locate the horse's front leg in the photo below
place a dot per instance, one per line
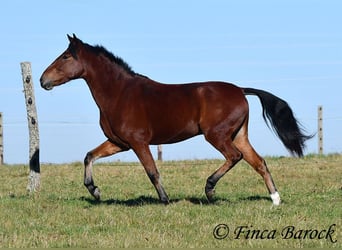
(105, 149)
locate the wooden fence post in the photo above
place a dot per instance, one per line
(160, 153)
(320, 130)
(34, 175)
(1, 142)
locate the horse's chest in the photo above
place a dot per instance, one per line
(110, 129)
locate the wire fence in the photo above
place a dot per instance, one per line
(81, 134)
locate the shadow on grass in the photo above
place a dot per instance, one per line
(142, 200)
(148, 200)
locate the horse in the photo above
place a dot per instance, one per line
(136, 111)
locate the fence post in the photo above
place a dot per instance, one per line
(34, 175)
(160, 153)
(320, 129)
(1, 142)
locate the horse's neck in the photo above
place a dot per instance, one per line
(105, 81)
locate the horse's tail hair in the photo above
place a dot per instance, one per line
(278, 114)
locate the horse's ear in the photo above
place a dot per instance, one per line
(73, 46)
(70, 38)
(73, 37)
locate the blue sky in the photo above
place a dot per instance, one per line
(290, 48)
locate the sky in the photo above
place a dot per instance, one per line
(290, 48)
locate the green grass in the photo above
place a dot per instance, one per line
(63, 214)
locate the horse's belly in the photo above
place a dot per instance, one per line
(172, 135)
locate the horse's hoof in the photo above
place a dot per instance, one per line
(210, 194)
(97, 193)
(165, 200)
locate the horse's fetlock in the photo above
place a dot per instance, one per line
(210, 184)
(88, 181)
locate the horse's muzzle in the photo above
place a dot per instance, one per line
(47, 85)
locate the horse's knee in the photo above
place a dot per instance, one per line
(88, 179)
(88, 159)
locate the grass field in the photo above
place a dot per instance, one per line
(63, 214)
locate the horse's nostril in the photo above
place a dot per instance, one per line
(46, 85)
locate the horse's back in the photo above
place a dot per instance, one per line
(196, 100)
(193, 97)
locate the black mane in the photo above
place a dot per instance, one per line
(98, 49)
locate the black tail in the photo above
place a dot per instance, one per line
(282, 120)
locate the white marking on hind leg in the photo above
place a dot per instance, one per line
(275, 198)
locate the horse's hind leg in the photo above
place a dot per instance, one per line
(257, 162)
(232, 155)
(105, 149)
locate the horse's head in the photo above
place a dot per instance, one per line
(65, 68)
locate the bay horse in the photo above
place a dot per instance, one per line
(136, 112)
